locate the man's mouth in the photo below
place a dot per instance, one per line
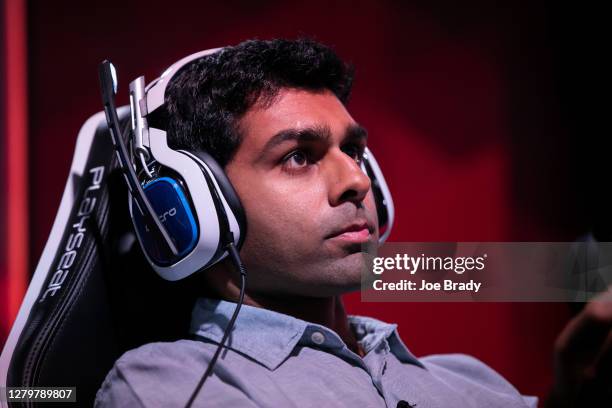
(357, 232)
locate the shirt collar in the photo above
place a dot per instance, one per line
(370, 332)
(269, 337)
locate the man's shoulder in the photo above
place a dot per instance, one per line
(455, 365)
(163, 374)
(460, 363)
(159, 352)
(459, 369)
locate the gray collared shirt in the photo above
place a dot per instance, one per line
(275, 360)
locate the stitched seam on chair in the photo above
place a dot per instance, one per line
(73, 294)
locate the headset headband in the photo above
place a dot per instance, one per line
(145, 100)
(156, 91)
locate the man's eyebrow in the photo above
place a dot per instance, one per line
(355, 132)
(308, 134)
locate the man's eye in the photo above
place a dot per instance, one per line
(295, 159)
(355, 152)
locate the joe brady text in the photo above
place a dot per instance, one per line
(424, 285)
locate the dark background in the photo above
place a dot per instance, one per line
(481, 114)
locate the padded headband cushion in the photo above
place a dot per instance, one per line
(226, 189)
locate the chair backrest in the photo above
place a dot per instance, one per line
(92, 296)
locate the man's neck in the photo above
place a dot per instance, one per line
(327, 311)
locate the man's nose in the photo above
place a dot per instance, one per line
(347, 182)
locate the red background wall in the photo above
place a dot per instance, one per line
(469, 109)
(3, 185)
(14, 204)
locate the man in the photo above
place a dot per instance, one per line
(273, 113)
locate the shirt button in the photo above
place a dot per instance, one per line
(317, 338)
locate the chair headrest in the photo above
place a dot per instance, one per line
(93, 296)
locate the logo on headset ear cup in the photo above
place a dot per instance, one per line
(174, 211)
(226, 189)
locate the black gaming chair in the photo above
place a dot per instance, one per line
(93, 296)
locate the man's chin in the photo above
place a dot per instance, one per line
(346, 248)
(343, 275)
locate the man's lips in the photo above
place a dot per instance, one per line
(355, 232)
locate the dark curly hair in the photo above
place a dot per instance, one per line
(205, 100)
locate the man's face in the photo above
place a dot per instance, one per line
(310, 211)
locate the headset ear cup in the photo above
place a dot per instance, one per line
(382, 194)
(228, 191)
(170, 202)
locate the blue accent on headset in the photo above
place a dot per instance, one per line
(174, 212)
